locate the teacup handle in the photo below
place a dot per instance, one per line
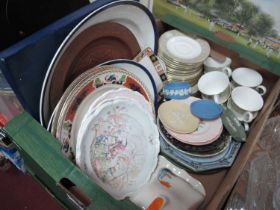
(216, 99)
(261, 89)
(246, 126)
(248, 117)
(227, 71)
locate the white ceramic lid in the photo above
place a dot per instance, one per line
(247, 99)
(247, 77)
(213, 83)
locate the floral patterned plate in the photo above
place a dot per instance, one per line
(100, 96)
(118, 146)
(142, 73)
(99, 77)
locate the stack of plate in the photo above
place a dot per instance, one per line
(206, 148)
(90, 88)
(103, 35)
(105, 122)
(183, 56)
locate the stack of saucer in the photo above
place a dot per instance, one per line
(192, 134)
(183, 56)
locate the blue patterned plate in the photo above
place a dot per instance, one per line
(201, 164)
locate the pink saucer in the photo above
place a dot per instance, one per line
(207, 132)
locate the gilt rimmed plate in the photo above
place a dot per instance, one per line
(99, 77)
(183, 48)
(142, 73)
(141, 24)
(118, 146)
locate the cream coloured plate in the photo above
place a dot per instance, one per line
(176, 116)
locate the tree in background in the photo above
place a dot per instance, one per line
(245, 13)
(226, 8)
(261, 25)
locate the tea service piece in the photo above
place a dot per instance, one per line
(215, 86)
(247, 77)
(176, 116)
(184, 48)
(210, 64)
(171, 187)
(183, 56)
(118, 146)
(246, 102)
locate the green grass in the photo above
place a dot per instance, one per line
(162, 6)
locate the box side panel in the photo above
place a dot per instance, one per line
(43, 157)
(247, 149)
(25, 63)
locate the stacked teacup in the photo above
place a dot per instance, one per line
(243, 94)
(247, 91)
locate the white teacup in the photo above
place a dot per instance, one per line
(215, 86)
(248, 78)
(245, 102)
(211, 64)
